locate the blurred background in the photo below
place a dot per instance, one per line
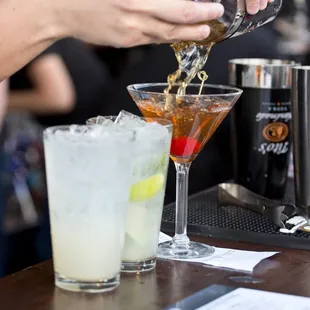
(71, 81)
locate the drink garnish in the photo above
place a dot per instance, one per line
(147, 188)
(202, 76)
(184, 146)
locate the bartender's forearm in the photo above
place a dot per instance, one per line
(28, 27)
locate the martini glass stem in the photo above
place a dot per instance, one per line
(180, 239)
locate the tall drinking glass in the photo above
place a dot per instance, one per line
(88, 177)
(150, 165)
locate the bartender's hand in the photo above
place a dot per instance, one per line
(125, 23)
(253, 6)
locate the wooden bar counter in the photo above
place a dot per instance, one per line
(33, 288)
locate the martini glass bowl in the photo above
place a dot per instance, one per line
(195, 117)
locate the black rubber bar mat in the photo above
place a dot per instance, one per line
(207, 218)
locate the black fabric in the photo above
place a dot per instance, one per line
(288, 8)
(89, 75)
(214, 163)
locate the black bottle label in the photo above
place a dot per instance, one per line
(262, 140)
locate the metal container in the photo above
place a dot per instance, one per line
(301, 136)
(261, 124)
(237, 21)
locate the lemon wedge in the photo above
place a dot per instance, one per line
(147, 188)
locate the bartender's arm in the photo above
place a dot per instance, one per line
(29, 27)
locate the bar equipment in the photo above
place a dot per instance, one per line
(261, 125)
(301, 136)
(231, 194)
(237, 21)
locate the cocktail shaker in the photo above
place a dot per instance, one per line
(261, 124)
(301, 137)
(237, 21)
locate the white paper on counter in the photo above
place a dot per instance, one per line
(248, 299)
(229, 258)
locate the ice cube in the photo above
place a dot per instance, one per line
(129, 120)
(96, 131)
(77, 129)
(152, 131)
(111, 131)
(101, 120)
(74, 132)
(152, 137)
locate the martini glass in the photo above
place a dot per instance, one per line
(195, 118)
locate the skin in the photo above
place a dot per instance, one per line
(52, 91)
(253, 6)
(29, 27)
(117, 23)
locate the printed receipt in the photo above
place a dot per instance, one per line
(247, 299)
(229, 258)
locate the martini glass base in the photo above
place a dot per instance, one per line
(195, 250)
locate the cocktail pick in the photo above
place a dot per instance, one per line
(202, 76)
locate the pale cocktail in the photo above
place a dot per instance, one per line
(150, 164)
(89, 175)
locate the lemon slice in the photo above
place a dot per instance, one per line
(147, 188)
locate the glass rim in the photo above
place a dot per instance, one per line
(235, 91)
(52, 129)
(264, 62)
(167, 122)
(301, 67)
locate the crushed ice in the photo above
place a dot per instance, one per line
(100, 120)
(104, 126)
(129, 120)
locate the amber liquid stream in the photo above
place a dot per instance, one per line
(194, 123)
